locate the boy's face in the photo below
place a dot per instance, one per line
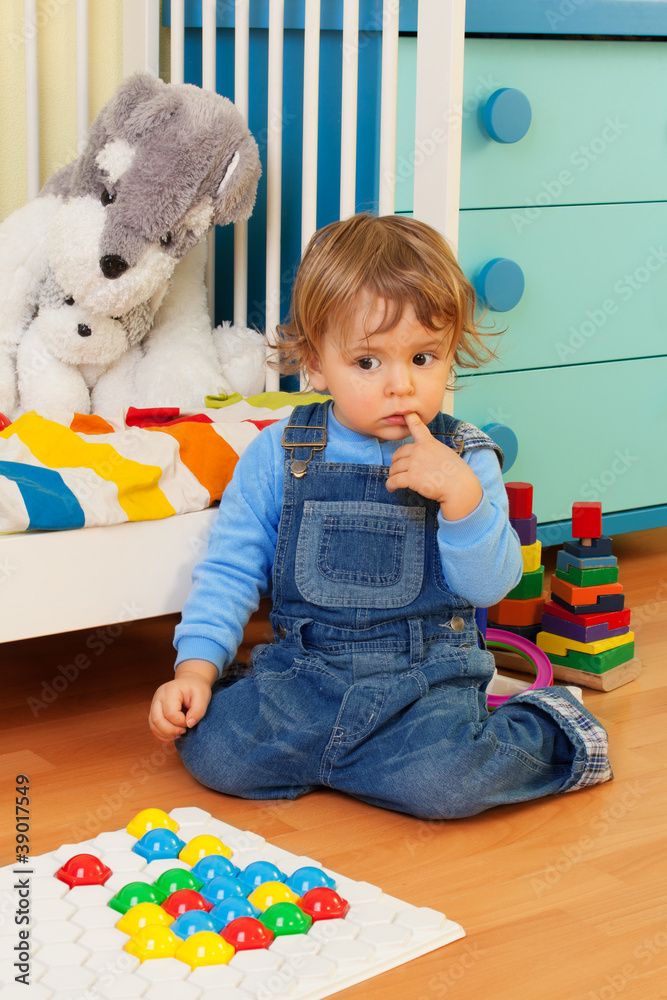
(375, 380)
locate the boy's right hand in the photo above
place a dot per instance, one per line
(180, 704)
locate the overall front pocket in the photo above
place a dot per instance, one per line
(360, 554)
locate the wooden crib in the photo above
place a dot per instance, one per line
(75, 579)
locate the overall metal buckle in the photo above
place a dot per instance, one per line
(299, 466)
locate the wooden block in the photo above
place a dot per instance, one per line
(530, 585)
(614, 619)
(532, 557)
(565, 559)
(509, 612)
(561, 646)
(520, 497)
(574, 595)
(526, 528)
(588, 577)
(598, 547)
(581, 633)
(608, 681)
(604, 603)
(586, 519)
(525, 631)
(598, 663)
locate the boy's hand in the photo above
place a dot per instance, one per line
(180, 704)
(434, 471)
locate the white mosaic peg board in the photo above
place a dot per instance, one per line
(77, 952)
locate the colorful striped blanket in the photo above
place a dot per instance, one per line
(66, 470)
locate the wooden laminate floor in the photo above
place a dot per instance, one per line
(562, 899)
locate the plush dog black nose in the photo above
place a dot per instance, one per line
(83, 330)
(113, 266)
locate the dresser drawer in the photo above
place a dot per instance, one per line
(593, 432)
(598, 131)
(595, 281)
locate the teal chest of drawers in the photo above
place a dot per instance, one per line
(569, 188)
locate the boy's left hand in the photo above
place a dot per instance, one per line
(434, 471)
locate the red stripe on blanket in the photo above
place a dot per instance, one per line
(260, 424)
(161, 416)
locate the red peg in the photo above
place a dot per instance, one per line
(586, 519)
(183, 900)
(520, 496)
(246, 933)
(322, 903)
(83, 869)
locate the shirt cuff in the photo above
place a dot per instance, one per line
(197, 648)
(469, 529)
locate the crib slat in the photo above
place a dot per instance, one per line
(82, 94)
(348, 136)
(437, 175)
(311, 76)
(208, 59)
(241, 100)
(141, 36)
(388, 107)
(274, 178)
(208, 55)
(31, 96)
(177, 41)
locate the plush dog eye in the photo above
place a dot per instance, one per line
(69, 301)
(106, 197)
(166, 239)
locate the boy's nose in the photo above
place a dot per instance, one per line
(399, 383)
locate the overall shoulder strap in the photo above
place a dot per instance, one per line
(461, 436)
(305, 436)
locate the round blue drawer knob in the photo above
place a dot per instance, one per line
(500, 284)
(507, 115)
(506, 439)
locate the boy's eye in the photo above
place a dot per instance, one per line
(421, 360)
(367, 364)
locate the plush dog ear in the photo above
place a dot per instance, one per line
(141, 104)
(235, 190)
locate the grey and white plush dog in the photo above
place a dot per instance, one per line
(163, 163)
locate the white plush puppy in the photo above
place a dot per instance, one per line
(66, 350)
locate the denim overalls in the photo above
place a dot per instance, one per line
(375, 684)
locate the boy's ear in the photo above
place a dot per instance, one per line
(315, 374)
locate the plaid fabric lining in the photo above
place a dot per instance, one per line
(593, 736)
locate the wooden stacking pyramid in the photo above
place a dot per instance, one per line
(585, 625)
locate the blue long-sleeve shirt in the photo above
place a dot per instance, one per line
(480, 553)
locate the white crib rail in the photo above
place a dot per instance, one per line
(274, 152)
(348, 116)
(311, 95)
(241, 100)
(82, 100)
(31, 96)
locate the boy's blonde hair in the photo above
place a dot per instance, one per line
(394, 258)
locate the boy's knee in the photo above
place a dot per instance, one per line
(442, 807)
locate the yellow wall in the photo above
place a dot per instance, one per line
(57, 85)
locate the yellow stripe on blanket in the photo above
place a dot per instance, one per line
(58, 447)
